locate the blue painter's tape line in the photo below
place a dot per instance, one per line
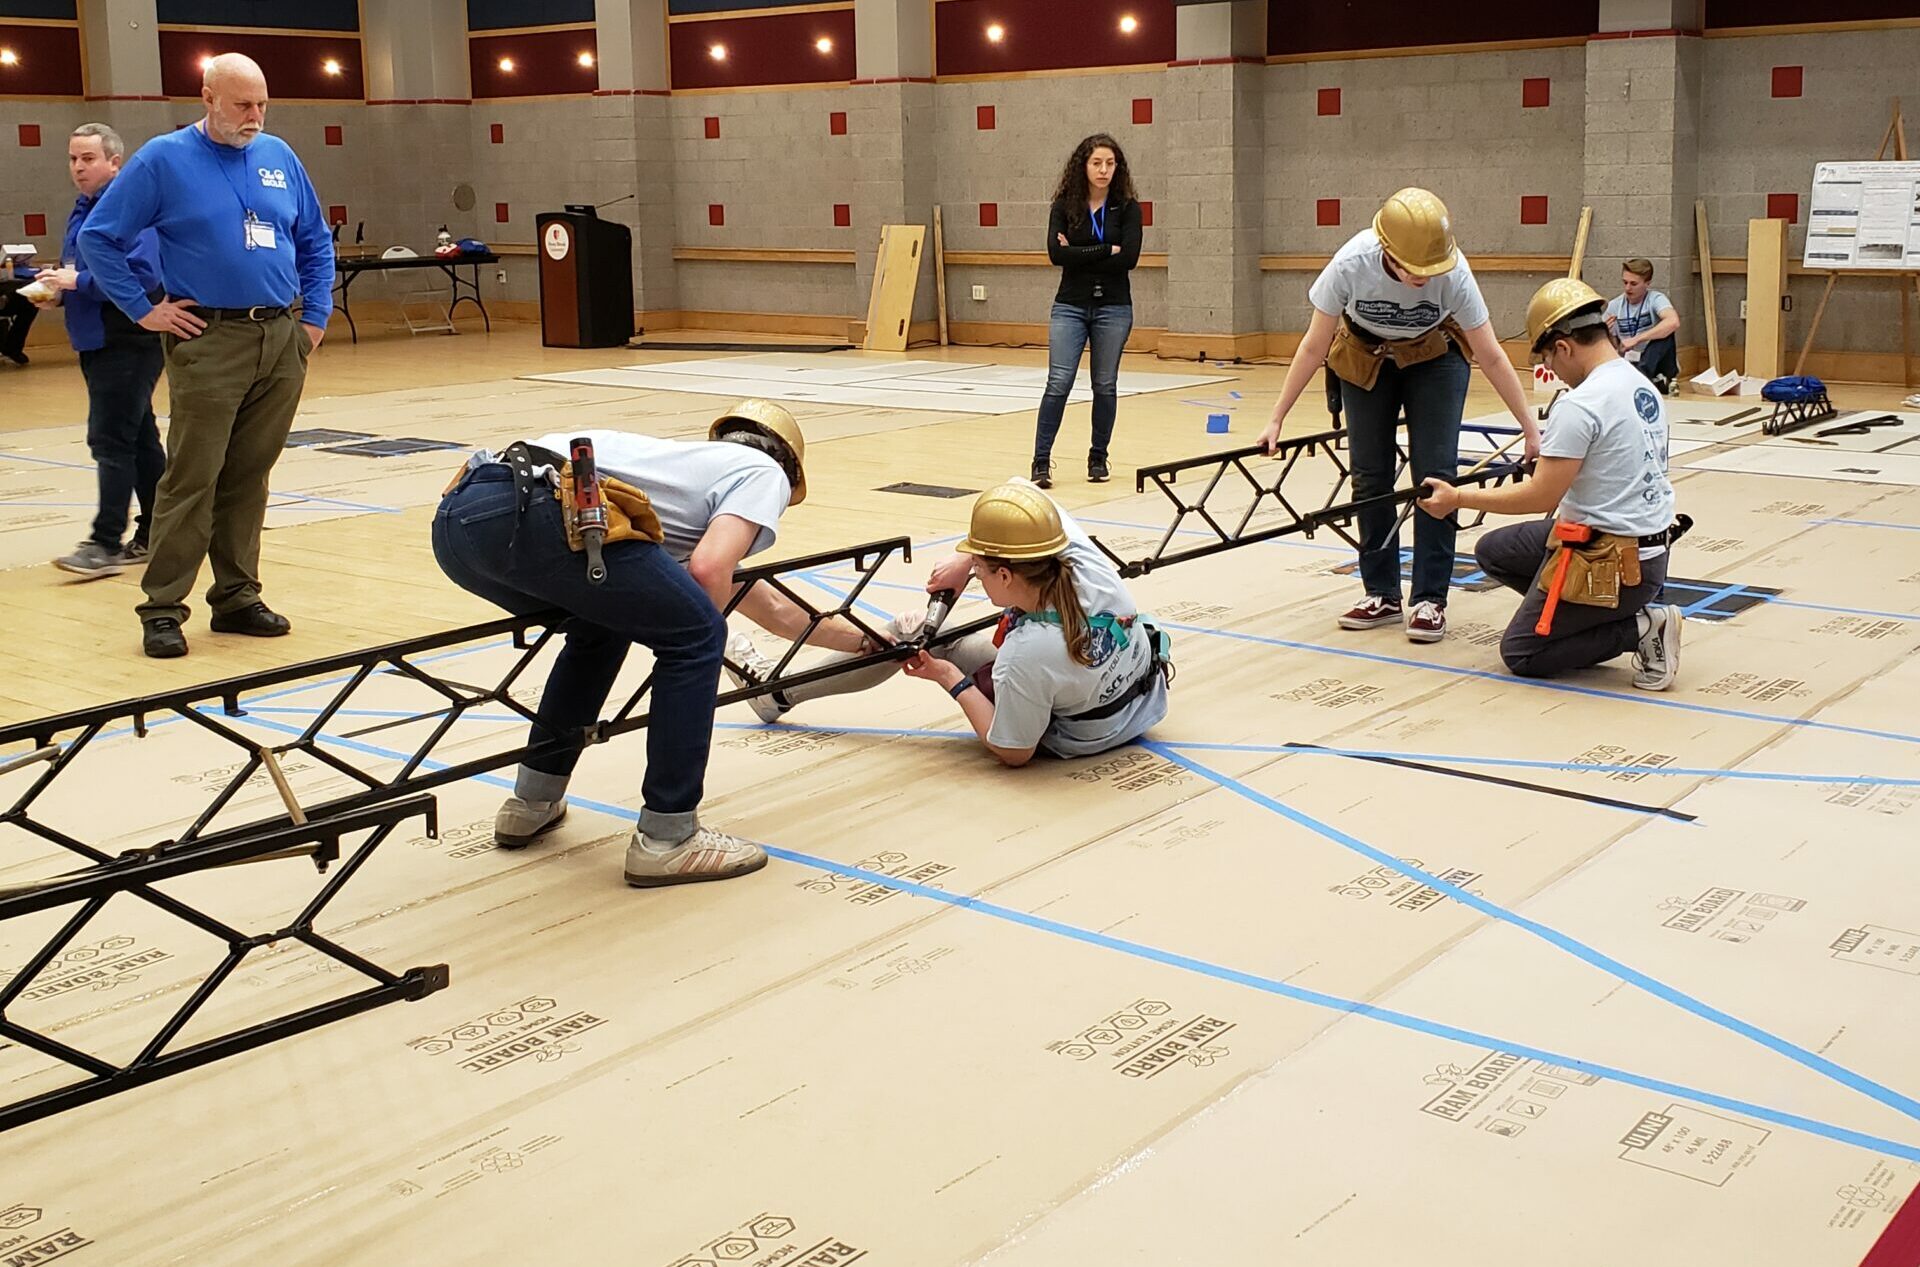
(1867, 523)
(1845, 611)
(1539, 684)
(1554, 937)
(1269, 985)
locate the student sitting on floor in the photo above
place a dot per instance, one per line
(1645, 321)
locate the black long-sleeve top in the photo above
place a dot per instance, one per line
(1088, 264)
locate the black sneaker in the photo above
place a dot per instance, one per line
(161, 638)
(257, 621)
(1043, 472)
(134, 552)
(1097, 472)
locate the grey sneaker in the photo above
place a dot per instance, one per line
(754, 669)
(90, 561)
(521, 822)
(1656, 661)
(705, 855)
(134, 553)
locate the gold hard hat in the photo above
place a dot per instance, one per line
(1414, 228)
(1562, 305)
(769, 419)
(1014, 521)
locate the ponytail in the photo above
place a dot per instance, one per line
(1053, 577)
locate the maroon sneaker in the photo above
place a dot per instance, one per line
(1371, 613)
(1428, 623)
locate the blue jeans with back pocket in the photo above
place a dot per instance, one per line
(521, 562)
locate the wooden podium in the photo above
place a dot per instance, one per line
(586, 280)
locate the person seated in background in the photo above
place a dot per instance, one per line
(16, 311)
(1645, 321)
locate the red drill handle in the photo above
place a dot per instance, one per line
(589, 508)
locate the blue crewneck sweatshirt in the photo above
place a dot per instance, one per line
(196, 194)
(86, 303)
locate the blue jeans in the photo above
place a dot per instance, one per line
(647, 598)
(121, 433)
(1106, 327)
(1433, 394)
(1660, 357)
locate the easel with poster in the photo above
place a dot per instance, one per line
(1864, 220)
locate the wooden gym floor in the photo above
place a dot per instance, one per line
(1372, 952)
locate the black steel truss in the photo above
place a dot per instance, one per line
(1337, 512)
(386, 793)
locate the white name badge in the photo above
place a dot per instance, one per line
(260, 234)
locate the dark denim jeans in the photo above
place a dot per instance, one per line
(647, 598)
(1660, 358)
(1433, 394)
(121, 433)
(1106, 327)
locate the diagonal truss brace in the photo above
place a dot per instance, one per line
(1337, 512)
(384, 794)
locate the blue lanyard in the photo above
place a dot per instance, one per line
(1100, 223)
(219, 160)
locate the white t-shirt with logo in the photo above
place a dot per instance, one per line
(1631, 319)
(1616, 424)
(1355, 282)
(690, 482)
(1038, 685)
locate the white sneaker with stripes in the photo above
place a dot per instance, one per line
(705, 855)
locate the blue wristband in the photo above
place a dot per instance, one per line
(965, 685)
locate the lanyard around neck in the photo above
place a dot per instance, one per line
(219, 159)
(1099, 219)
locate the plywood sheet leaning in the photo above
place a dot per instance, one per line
(896, 279)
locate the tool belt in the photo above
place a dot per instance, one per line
(630, 512)
(1356, 355)
(1589, 567)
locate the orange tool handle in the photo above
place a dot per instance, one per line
(1544, 625)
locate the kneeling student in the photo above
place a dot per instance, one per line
(1603, 465)
(1074, 667)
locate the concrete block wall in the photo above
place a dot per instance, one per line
(1753, 144)
(1454, 123)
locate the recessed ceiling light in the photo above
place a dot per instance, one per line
(506, 64)
(1129, 24)
(206, 64)
(824, 44)
(330, 66)
(996, 33)
(8, 57)
(585, 59)
(718, 52)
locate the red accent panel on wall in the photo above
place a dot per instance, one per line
(336, 135)
(1146, 215)
(29, 135)
(1143, 110)
(292, 62)
(1326, 212)
(1329, 101)
(1048, 35)
(544, 63)
(1293, 27)
(1725, 13)
(842, 215)
(777, 48)
(837, 123)
(716, 214)
(1533, 209)
(989, 215)
(983, 120)
(1788, 81)
(35, 224)
(336, 214)
(1784, 207)
(1536, 94)
(49, 64)
(713, 127)
(500, 215)
(497, 133)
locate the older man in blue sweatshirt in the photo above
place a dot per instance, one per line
(241, 237)
(120, 361)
